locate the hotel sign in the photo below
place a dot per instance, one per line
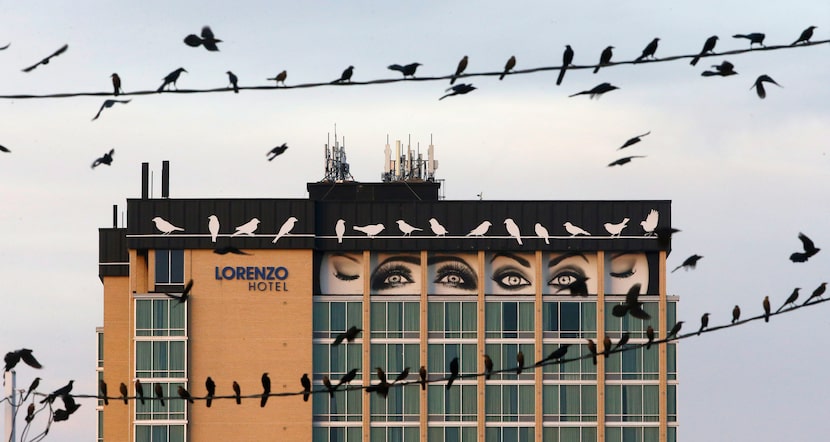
(261, 279)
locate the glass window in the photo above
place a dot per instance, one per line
(395, 434)
(569, 403)
(509, 434)
(510, 403)
(632, 434)
(160, 359)
(569, 319)
(504, 357)
(160, 317)
(571, 367)
(159, 433)
(456, 404)
(509, 319)
(451, 434)
(569, 434)
(337, 434)
(401, 403)
(169, 266)
(100, 348)
(636, 363)
(636, 328)
(452, 320)
(346, 405)
(173, 409)
(631, 403)
(396, 320)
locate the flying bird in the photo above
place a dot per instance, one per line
(766, 308)
(664, 235)
(708, 47)
(634, 140)
(597, 90)
(575, 230)
(185, 295)
(234, 81)
(674, 330)
(624, 160)
(116, 84)
(632, 305)
(108, 104)
(346, 76)
(567, 60)
(159, 393)
(349, 336)
(704, 322)
(210, 386)
(736, 314)
(104, 159)
(481, 230)
(213, 227)
(370, 230)
(32, 387)
(604, 58)
(280, 78)
(577, 286)
(184, 394)
(266, 389)
(229, 249)
(306, 383)
(520, 362)
(171, 79)
(208, 40)
(688, 263)
(453, 372)
(277, 151)
(649, 50)
(340, 229)
(50, 398)
(592, 347)
(816, 293)
(513, 229)
(458, 89)
(406, 228)
(4, 149)
(246, 229)
(102, 387)
(650, 223)
(407, 70)
(3, 48)
(437, 228)
(488, 367)
(754, 37)
(139, 391)
(511, 63)
(285, 229)
(805, 36)
(649, 336)
(724, 69)
(809, 249)
(46, 60)
(555, 355)
(616, 229)
(759, 85)
(13, 357)
(237, 392)
(462, 65)
(422, 375)
(542, 232)
(790, 299)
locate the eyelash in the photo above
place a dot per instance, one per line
(380, 278)
(464, 273)
(345, 277)
(576, 276)
(500, 275)
(623, 275)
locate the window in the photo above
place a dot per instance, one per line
(570, 368)
(569, 403)
(396, 320)
(671, 399)
(169, 266)
(632, 434)
(509, 319)
(633, 364)
(336, 434)
(173, 409)
(569, 319)
(159, 317)
(631, 403)
(331, 318)
(504, 354)
(569, 434)
(451, 434)
(509, 434)
(160, 359)
(510, 403)
(636, 328)
(456, 404)
(99, 332)
(395, 434)
(346, 405)
(452, 319)
(159, 433)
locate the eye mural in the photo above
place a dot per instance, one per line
(395, 274)
(341, 273)
(452, 274)
(509, 274)
(624, 269)
(569, 273)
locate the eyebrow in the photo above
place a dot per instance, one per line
(405, 258)
(444, 258)
(517, 258)
(565, 256)
(621, 254)
(343, 255)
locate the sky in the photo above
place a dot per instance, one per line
(744, 175)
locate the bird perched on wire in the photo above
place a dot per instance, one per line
(604, 58)
(650, 223)
(462, 65)
(348, 377)
(104, 159)
(736, 314)
(234, 81)
(266, 389)
(30, 413)
(633, 140)
(632, 305)
(511, 63)
(513, 229)
(208, 40)
(382, 387)
(555, 355)
(481, 229)
(349, 336)
(567, 60)
(759, 85)
(32, 387)
(277, 151)
(46, 60)
(688, 263)
(597, 90)
(437, 228)
(592, 347)
(790, 299)
(724, 69)
(371, 230)
(704, 322)
(346, 76)
(623, 340)
(458, 89)
(754, 37)
(171, 79)
(13, 357)
(306, 383)
(330, 388)
(649, 50)
(285, 229)
(674, 330)
(805, 36)
(108, 104)
(649, 336)
(164, 226)
(237, 392)
(520, 362)
(184, 394)
(59, 392)
(453, 372)
(407, 70)
(810, 249)
(124, 393)
(575, 230)
(606, 345)
(407, 229)
(139, 391)
(422, 377)
(708, 47)
(210, 386)
(766, 308)
(248, 228)
(542, 232)
(159, 393)
(116, 84)
(185, 295)
(816, 293)
(102, 388)
(280, 78)
(616, 229)
(488, 367)
(401, 376)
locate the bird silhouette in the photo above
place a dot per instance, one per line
(102, 388)
(382, 388)
(237, 393)
(108, 104)
(577, 287)
(606, 346)
(437, 228)
(280, 78)
(401, 376)
(213, 227)
(511, 63)
(104, 159)
(649, 336)
(371, 230)
(32, 387)
(759, 85)
(453, 372)
(46, 60)
(349, 336)
(766, 308)
(277, 151)
(688, 263)
(462, 65)
(650, 223)
(116, 84)
(754, 37)
(817, 293)
(184, 394)
(632, 305)
(542, 232)
(513, 229)
(248, 228)
(520, 362)
(346, 76)
(13, 357)
(285, 229)
(139, 391)
(210, 386)
(50, 398)
(664, 235)
(406, 228)
(624, 160)
(348, 377)
(674, 330)
(458, 89)
(557, 354)
(488, 367)
(567, 60)
(330, 388)
(407, 70)
(306, 383)
(184, 295)
(422, 377)
(575, 230)
(633, 140)
(592, 347)
(70, 406)
(171, 79)
(208, 40)
(234, 81)
(724, 69)
(481, 230)
(616, 229)
(736, 314)
(340, 229)
(266, 389)
(30, 413)
(805, 36)
(809, 249)
(708, 47)
(623, 340)
(164, 226)
(649, 50)
(597, 90)
(790, 299)
(229, 249)
(604, 58)
(704, 322)
(4, 149)
(159, 393)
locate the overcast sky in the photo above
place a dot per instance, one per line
(744, 175)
